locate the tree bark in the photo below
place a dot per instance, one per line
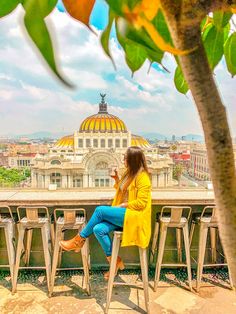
(215, 125)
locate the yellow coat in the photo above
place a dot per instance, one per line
(137, 222)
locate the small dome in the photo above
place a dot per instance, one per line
(66, 142)
(103, 121)
(140, 141)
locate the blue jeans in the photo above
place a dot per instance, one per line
(104, 220)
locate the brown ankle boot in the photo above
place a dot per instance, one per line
(119, 265)
(74, 244)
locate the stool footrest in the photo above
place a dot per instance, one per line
(3, 266)
(215, 265)
(32, 267)
(128, 284)
(70, 268)
(175, 265)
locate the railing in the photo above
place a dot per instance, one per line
(89, 199)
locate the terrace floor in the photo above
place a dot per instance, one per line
(171, 297)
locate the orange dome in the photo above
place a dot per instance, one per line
(139, 141)
(65, 142)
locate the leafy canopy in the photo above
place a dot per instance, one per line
(140, 28)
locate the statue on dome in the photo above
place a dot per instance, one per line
(103, 104)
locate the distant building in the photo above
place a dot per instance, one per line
(21, 160)
(3, 159)
(27, 148)
(85, 158)
(181, 158)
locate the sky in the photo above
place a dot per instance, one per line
(32, 100)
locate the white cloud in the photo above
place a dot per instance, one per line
(31, 100)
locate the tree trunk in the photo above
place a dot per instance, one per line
(215, 125)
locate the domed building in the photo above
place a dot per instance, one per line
(84, 159)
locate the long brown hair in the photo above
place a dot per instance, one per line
(135, 160)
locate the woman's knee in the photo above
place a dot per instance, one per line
(98, 230)
(101, 210)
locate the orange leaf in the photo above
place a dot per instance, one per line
(80, 9)
(158, 40)
(208, 21)
(233, 10)
(150, 8)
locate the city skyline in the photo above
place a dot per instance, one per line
(32, 100)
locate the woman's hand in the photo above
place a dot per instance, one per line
(124, 205)
(115, 175)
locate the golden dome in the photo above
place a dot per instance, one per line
(139, 141)
(65, 142)
(103, 121)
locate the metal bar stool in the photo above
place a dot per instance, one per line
(8, 224)
(207, 222)
(70, 219)
(30, 218)
(144, 269)
(194, 222)
(178, 217)
(155, 239)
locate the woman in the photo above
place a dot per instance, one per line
(130, 210)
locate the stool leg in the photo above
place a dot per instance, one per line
(9, 236)
(231, 280)
(62, 236)
(163, 232)
(115, 250)
(29, 234)
(201, 253)
(213, 244)
(144, 270)
(45, 231)
(154, 242)
(52, 231)
(55, 257)
(187, 253)
(85, 260)
(20, 244)
(179, 244)
(191, 233)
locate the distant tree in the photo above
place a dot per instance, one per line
(177, 172)
(199, 33)
(12, 177)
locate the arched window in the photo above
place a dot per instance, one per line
(55, 162)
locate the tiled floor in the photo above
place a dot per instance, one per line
(69, 297)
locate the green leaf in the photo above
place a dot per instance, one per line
(116, 6)
(230, 53)
(180, 83)
(139, 37)
(221, 19)
(135, 56)
(44, 7)
(106, 35)
(38, 32)
(213, 40)
(7, 6)
(136, 42)
(160, 24)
